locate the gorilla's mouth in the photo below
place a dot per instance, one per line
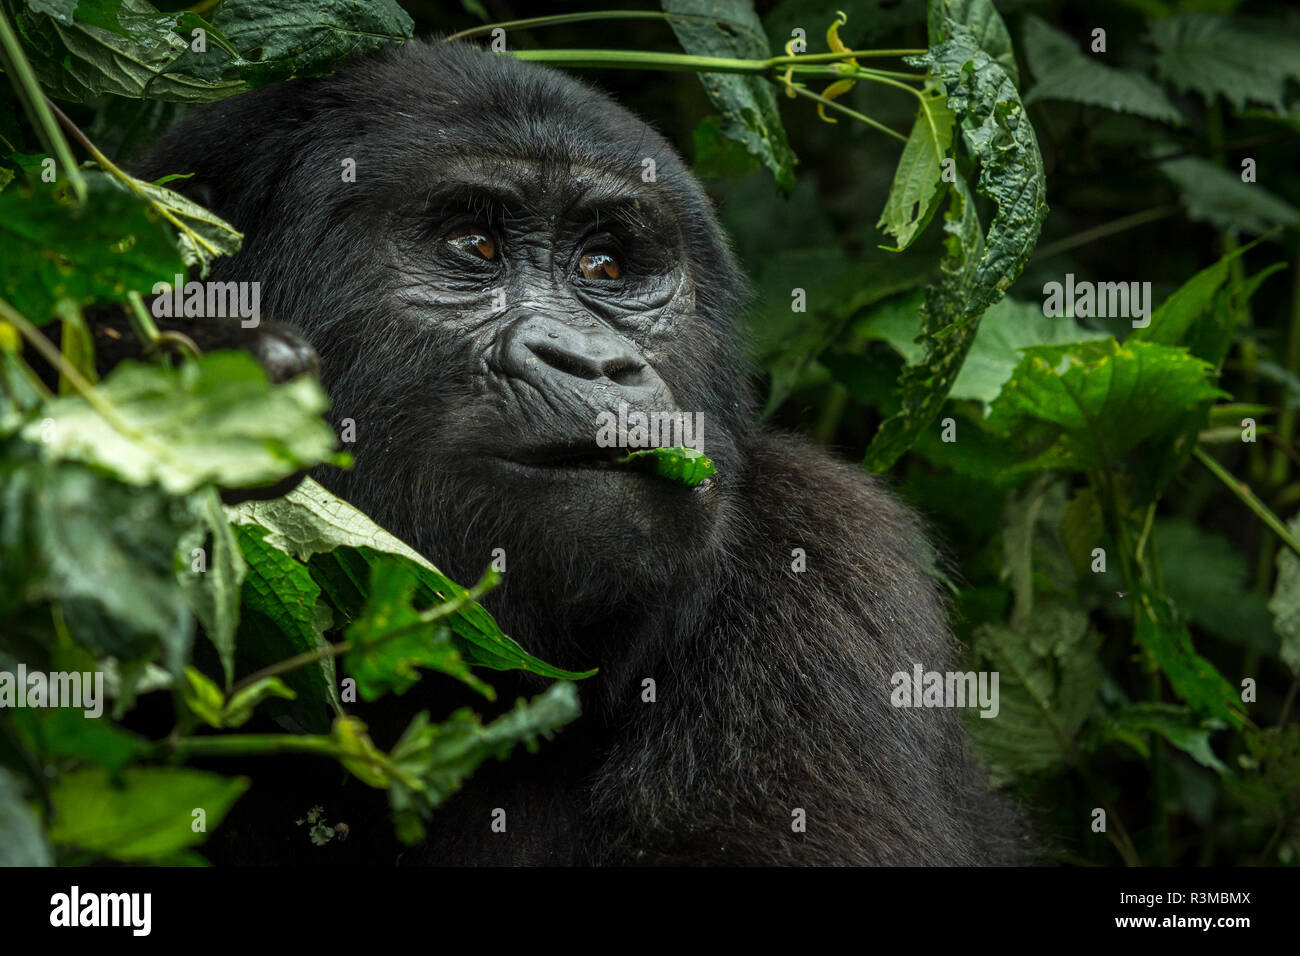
(568, 456)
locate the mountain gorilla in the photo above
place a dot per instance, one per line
(502, 269)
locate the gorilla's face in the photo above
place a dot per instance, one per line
(516, 259)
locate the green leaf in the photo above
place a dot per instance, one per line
(1049, 676)
(390, 640)
(76, 59)
(293, 38)
(434, 760)
(1007, 328)
(57, 734)
(1214, 195)
(1064, 72)
(203, 697)
(917, 190)
(21, 841)
(282, 619)
(1194, 679)
(146, 819)
(211, 578)
(747, 103)
(51, 248)
(977, 270)
(1245, 61)
(201, 235)
(981, 17)
(1085, 405)
(1206, 580)
(683, 465)
(1190, 734)
(1285, 603)
(239, 708)
(343, 544)
(214, 420)
(101, 549)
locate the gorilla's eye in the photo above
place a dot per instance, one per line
(473, 241)
(599, 265)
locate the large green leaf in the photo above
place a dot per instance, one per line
(981, 17)
(1049, 676)
(1214, 195)
(1064, 72)
(977, 269)
(1244, 61)
(79, 56)
(1085, 405)
(1132, 723)
(343, 545)
(101, 549)
(214, 420)
(148, 818)
(731, 28)
(51, 248)
(290, 38)
(1195, 680)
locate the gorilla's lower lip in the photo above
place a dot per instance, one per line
(567, 457)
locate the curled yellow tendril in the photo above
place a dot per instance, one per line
(839, 87)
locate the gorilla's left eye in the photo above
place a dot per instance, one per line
(473, 241)
(599, 265)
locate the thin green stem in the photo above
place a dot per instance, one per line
(29, 91)
(1248, 498)
(840, 108)
(1107, 229)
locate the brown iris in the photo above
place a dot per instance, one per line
(476, 240)
(599, 265)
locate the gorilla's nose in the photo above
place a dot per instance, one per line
(549, 354)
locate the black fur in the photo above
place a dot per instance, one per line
(773, 686)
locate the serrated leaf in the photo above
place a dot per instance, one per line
(390, 640)
(435, 759)
(76, 59)
(1085, 405)
(981, 17)
(215, 420)
(977, 269)
(101, 549)
(918, 189)
(343, 544)
(1191, 734)
(1064, 72)
(1245, 61)
(1049, 676)
(1214, 195)
(731, 28)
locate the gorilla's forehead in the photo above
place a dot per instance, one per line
(553, 188)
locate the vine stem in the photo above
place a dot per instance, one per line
(1248, 498)
(485, 584)
(39, 108)
(128, 180)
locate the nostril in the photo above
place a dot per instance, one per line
(624, 371)
(566, 362)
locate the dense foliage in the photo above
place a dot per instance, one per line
(1106, 487)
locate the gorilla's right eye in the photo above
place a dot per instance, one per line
(474, 241)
